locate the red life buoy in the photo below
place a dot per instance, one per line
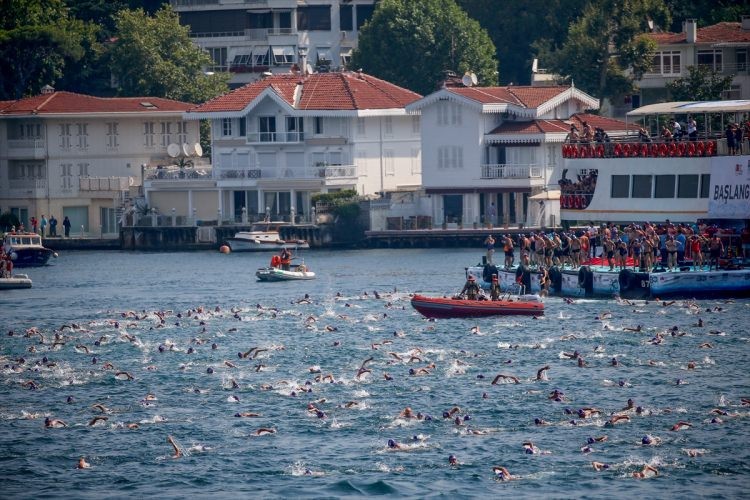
(583, 152)
(662, 150)
(275, 261)
(672, 149)
(600, 151)
(592, 152)
(618, 150)
(566, 151)
(635, 151)
(691, 149)
(710, 148)
(581, 201)
(573, 151)
(644, 151)
(699, 149)
(626, 150)
(654, 151)
(681, 149)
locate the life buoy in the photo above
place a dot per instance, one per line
(663, 150)
(672, 150)
(576, 202)
(583, 152)
(600, 151)
(618, 150)
(681, 149)
(700, 149)
(582, 201)
(565, 150)
(691, 149)
(644, 151)
(710, 148)
(654, 152)
(626, 150)
(275, 261)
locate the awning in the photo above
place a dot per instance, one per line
(553, 194)
(684, 107)
(283, 51)
(260, 50)
(324, 54)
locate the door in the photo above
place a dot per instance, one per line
(79, 220)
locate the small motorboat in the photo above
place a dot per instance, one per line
(263, 236)
(15, 281)
(26, 249)
(442, 307)
(300, 272)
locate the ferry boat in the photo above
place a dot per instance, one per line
(443, 307)
(26, 249)
(263, 236)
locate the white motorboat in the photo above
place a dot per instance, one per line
(15, 281)
(261, 237)
(26, 249)
(300, 272)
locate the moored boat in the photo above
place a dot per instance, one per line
(15, 281)
(26, 249)
(263, 236)
(441, 307)
(721, 282)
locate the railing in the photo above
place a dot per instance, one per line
(177, 173)
(510, 171)
(104, 183)
(26, 144)
(247, 68)
(276, 137)
(192, 3)
(652, 149)
(29, 184)
(216, 34)
(317, 172)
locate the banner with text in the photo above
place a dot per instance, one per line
(730, 188)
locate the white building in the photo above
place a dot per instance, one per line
(722, 47)
(250, 37)
(277, 141)
(498, 145)
(74, 155)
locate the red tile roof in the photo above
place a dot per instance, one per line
(563, 126)
(319, 91)
(716, 33)
(523, 96)
(71, 103)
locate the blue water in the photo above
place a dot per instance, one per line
(345, 453)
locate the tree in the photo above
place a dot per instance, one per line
(701, 84)
(510, 24)
(608, 39)
(37, 40)
(412, 42)
(154, 56)
(706, 12)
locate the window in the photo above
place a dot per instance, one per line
(66, 174)
(226, 127)
(108, 218)
(148, 134)
(734, 92)
(65, 136)
(364, 13)
(666, 63)
(182, 132)
(260, 20)
(267, 128)
(741, 56)
(219, 58)
(390, 162)
(362, 163)
(416, 164)
(27, 131)
(450, 157)
(83, 135)
(346, 17)
(361, 126)
(705, 185)
(314, 18)
(620, 186)
(642, 186)
(295, 130)
(664, 186)
(318, 125)
(415, 124)
(687, 186)
(166, 134)
(283, 55)
(83, 169)
(711, 58)
(243, 126)
(449, 113)
(260, 56)
(112, 135)
(389, 125)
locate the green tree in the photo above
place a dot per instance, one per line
(37, 39)
(706, 12)
(701, 84)
(510, 24)
(412, 42)
(608, 39)
(154, 56)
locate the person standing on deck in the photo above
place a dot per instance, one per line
(286, 258)
(489, 243)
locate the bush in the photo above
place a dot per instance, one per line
(8, 220)
(333, 198)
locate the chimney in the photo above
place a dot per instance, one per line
(302, 53)
(691, 30)
(746, 23)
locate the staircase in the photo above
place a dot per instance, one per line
(122, 203)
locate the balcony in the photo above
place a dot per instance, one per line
(27, 148)
(101, 187)
(325, 172)
(275, 137)
(509, 171)
(178, 173)
(27, 188)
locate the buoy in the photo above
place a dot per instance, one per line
(54, 254)
(224, 249)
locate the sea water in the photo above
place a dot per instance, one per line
(121, 308)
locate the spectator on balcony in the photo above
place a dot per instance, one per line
(643, 135)
(666, 135)
(692, 129)
(600, 135)
(573, 135)
(588, 134)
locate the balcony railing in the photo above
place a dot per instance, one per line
(331, 172)
(177, 173)
(276, 137)
(104, 184)
(29, 184)
(510, 171)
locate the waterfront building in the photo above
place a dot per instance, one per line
(277, 141)
(248, 38)
(75, 155)
(491, 155)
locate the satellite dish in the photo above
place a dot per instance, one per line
(466, 80)
(198, 149)
(474, 79)
(185, 149)
(173, 150)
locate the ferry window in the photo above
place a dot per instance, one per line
(620, 186)
(687, 186)
(664, 186)
(642, 186)
(705, 185)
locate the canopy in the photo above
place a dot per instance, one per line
(553, 194)
(685, 107)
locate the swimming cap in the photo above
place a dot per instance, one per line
(646, 440)
(391, 443)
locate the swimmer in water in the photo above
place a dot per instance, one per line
(646, 472)
(177, 452)
(502, 473)
(541, 374)
(97, 419)
(82, 464)
(263, 431)
(363, 367)
(680, 426)
(505, 377)
(407, 413)
(54, 423)
(124, 376)
(599, 466)
(618, 418)
(393, 445)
